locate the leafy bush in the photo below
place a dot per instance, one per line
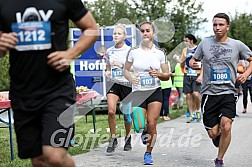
(4, 73)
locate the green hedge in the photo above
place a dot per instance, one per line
(4, 73)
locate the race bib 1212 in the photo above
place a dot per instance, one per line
(34, 35)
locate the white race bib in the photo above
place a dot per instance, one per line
(117, 73)
(34, 35)
(146, 81)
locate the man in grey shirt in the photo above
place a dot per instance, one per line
(220, 56)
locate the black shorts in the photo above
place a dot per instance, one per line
(216, 106)
(46, 126)
(190, 85)
(121, 91)
(143, 98)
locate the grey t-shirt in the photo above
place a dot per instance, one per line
(220, 64)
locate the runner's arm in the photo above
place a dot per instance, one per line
(182, 58)
(193, 64)
(90, 33)
(126, 71)
(164, 75)
(61, 60)
(108, 69)
(243, 77)
(7, 41)
(199, 79)
(248, 71)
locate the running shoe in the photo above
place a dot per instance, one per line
(148, 159)
(218, 163)
(216, 141)
(113, 143)
(127, 145)
(188, 114)
(244, 111)
(192, 119)
(144, 137)
(198, 115)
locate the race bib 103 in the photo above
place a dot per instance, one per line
(147, 81)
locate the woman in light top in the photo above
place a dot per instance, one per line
(245, 86)
(118, 86)
(147, 60)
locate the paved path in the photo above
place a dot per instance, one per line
(179, 145)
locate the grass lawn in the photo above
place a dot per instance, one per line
(83, 143)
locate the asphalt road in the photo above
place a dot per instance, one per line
(179, 144)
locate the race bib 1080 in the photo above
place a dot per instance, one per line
(220, 76)
(35, 35)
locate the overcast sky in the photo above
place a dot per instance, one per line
(211, 7)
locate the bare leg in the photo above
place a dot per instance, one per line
(128, 128)
(196, 99)
(112, 101)
(39, 162)
(225, 139)
(189, 100)
(53, 157)
(225, 125)
(214, 132)
(152, 116)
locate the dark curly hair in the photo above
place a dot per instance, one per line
(191, 37)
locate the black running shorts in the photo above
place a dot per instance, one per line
(47, 126)
(216, 106)
(122, 91)
(143, 98)
(190, 85)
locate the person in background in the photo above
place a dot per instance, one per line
(240, 69)
(245, 86)
(166, 91)
(147, 60)
(238, 85)
(192, 78)
(220, 55)
(178, 84)
(42, 89)
(119, 87)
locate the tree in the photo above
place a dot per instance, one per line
(185, 18)
(4, 75)
(240, 28)
(107, 13)
(150, 10)
(182, 13)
